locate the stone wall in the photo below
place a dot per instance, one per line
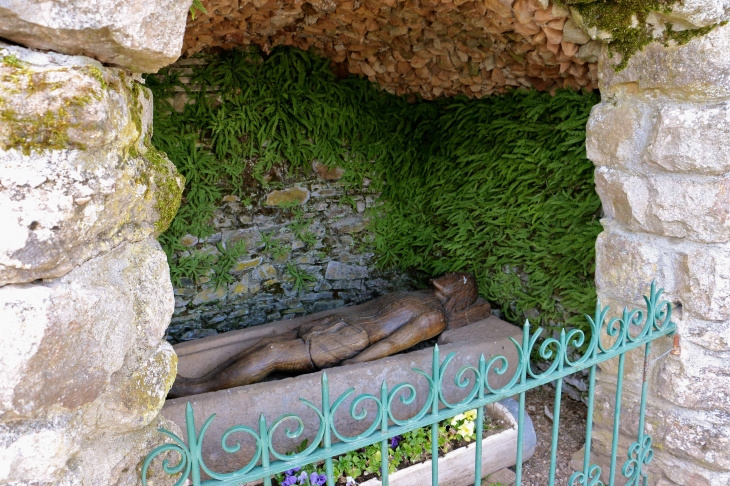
(660, 141)
(337, 257)
(85, 293)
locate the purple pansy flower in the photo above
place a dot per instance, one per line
(291, 472)
(394, 441)
(317, 479)
(303, 477)
(289, 481)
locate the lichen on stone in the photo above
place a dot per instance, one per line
(169, 186)
(46, 132)
(165, 182)
(96, 73)
(625, 24)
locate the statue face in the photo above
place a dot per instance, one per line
(456, 291)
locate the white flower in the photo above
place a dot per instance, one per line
(457, 418)
(350, 481)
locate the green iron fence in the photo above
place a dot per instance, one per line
(650, 324)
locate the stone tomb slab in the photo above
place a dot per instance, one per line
(243, 405)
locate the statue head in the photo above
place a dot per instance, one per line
(456, 291)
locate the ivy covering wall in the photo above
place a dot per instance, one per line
(500, 186)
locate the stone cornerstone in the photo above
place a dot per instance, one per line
(660, 141)
(85, 292)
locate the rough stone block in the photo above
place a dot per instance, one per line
(616, 133)
(699, 13)
(692, 275)
(684, 438)
(693, 208)
(695, 379)
(76, 175)
(251, 236)
(89, 342)
(713, 336)
(626, 264)
(343, 271)
(210, 293)
(292, 195)
(104, 307)
(690, 138)
(349, 224)
(242, 265)
(139, 35)
(696, 71)
(704, 281)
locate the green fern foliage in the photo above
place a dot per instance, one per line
(500, 186)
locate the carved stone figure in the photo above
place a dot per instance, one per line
(379, 328)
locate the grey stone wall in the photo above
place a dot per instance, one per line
(660, 141)
(338, 258)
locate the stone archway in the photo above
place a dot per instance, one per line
(85, 293)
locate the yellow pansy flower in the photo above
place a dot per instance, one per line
(466, 429)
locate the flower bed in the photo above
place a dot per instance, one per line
(409, 455)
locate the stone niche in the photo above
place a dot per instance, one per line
(308, 221)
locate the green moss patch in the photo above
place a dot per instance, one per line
(625, 20)
(500, 187)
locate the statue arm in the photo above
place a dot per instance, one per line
(420, 328)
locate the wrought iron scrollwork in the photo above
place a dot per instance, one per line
(557, 352)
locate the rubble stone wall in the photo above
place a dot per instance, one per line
(343, 270)
(660, 143)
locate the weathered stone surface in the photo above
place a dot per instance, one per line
(686, 448)
(265, 272)
(711, 335)
(695, 208)
(699, 13)
(138, 35)
(626, 264)
(246, 264)
(84, 366)
(690, 138)
(633, 360)
(704, 279)
(692, 274)
(96, 186)
(696, 71)
(251, 236)
(327, 173)
(573, 33)
(616, 133)
(210, 294)
(103, 307)
(342, 271)
(291, 195)
(683, 380)
(349, 224)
